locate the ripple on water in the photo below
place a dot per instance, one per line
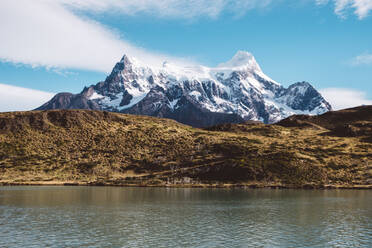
(145, 217)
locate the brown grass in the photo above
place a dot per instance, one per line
(93, 147)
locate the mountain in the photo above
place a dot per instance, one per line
(97, 148)
(199, 96)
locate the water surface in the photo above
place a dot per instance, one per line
(161, 217)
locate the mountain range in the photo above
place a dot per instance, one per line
(200, 96)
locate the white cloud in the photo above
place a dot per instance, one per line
(361, 7)
(14, 98)
(210, 8)
(341, 98)
(363, 59)
(53, 33)
(47, 33)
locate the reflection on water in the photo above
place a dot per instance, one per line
(161, 217)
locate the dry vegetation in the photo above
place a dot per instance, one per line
(102, 148)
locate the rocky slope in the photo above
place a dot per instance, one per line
(199, 96)
(104, 148)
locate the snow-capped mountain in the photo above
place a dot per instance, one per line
(234, 91)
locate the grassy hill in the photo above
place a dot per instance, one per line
(103, 148)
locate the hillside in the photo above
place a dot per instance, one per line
(353, 122)
(105, 148)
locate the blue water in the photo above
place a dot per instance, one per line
(161, 217)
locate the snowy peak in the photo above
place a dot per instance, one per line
(127, 63)
(241, 60)
(124, 64)
(196, 95)
(125, 59)
(302, 96)
(131, 61)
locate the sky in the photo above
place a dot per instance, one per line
(50, 46)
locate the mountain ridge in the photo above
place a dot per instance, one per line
(234, 91)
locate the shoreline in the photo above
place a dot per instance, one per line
(206, 186)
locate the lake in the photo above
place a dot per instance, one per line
(53, 216)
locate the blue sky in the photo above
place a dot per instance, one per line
(64, 45)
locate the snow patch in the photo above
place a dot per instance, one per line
(112, 103)
(195, 94)
(173, 103)
(95, 95)
(136, 99)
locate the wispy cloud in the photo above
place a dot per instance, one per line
(363, 59)
(170, 8)
(210, 8)
(361, 8)
(53, 33)
(341, 98)
(321, 2)
(48, 33)
(14, 98)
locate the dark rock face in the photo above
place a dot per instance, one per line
(234, 92)
(59, 101)
(192, 115)
(70, 101)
